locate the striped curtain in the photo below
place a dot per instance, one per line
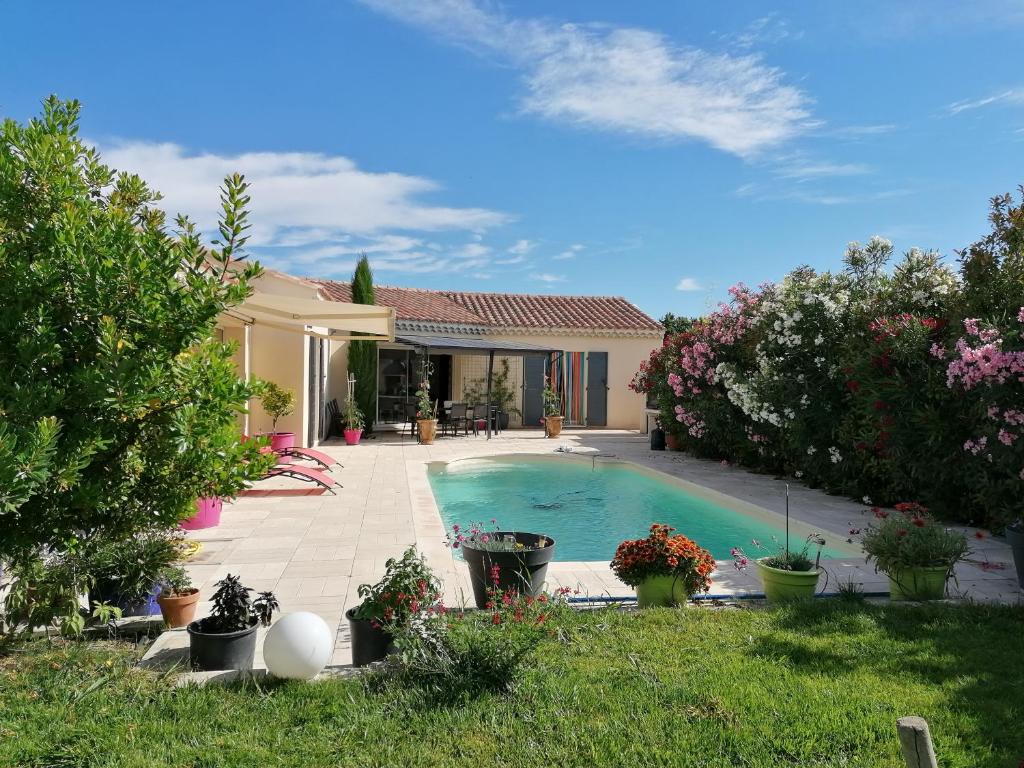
(568, 375)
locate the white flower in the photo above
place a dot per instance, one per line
(811, 450)
(866, 499)
(834, 455)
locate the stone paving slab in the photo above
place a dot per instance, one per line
(313, 549)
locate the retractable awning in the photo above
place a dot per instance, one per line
(469, 346)
(339, 320)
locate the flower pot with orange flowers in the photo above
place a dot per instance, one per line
(665, 569)
(915, 551)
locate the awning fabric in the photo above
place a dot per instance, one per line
(334, 320)
(470, 346)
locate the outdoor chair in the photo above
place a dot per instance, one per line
(305, 454)
(308, 474)
(410, 419)
(457, 417)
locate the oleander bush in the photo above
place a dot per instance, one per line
(885, 381)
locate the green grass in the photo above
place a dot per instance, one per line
(817, 685)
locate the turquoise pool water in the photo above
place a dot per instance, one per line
(589, 508)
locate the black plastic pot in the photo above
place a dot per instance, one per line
(1015, 538)
(657, 439)
(210, 652)
(523, 571)
(369, 643)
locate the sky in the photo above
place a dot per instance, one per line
(660, 151)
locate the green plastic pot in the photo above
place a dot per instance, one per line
(781, 586)
(918, 583)
(661, 591)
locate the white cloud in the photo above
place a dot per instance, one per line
(298, 198)
(517, 259)
(689, 284)
(623, 79)
(803, 171)
(765, 30)
(547, 277)
(522, 247)
(1011, 96)
(569, 253)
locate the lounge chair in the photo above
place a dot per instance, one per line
(308, 454)
(322, 479)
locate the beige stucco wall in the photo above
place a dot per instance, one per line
(625, 407)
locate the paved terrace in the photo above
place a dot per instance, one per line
(313, 550)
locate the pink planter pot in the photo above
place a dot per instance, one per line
(207, 514)
(352, 436)
(279, 441)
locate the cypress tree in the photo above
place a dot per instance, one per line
(362, 355)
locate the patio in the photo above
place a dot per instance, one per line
(314, 550)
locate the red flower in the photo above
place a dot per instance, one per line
(880, 513)
(901, 532)
(853, 385)
(979, 535)
(496, 619)
(918, 521)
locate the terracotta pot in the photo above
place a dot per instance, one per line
(672, 441)
(553, 426)
(352, 436)
(207, 514)
(179, 610)
(426, 429)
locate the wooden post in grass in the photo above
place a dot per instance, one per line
(916, 743)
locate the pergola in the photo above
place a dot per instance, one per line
(473, 346)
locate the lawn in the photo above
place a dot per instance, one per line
(815, 685)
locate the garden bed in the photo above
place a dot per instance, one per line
(820, 684)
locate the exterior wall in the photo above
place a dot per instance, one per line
(625, 353)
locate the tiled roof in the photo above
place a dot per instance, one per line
(409, 303)
(505, 310)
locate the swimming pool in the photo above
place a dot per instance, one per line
(588, 506)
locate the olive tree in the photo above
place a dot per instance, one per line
(118, 407)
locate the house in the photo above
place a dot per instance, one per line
(590, 346)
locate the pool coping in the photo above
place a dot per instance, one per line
(429, 528)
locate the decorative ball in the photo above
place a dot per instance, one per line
(298, 646)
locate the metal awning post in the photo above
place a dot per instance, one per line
(490, 374)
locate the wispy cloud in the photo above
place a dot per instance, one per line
(547, 277)
(804, 171)
(861, 131)
(522, 247)
(1010, 96)
(297, 197)
(569, 253)
(766, 30)
(623, 79)
(689, 284)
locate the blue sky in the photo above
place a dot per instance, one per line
(660, 151)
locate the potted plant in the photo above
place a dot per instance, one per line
(407, 588)
(126, 573)
(552, 411)
(507, 560)
(426, 419)
(1015, 538)
(278, 402)
(226, 639)
(664, 569)
(672, 441)
(916, 552)
(354, 422)
(177, 597)
(787, 574)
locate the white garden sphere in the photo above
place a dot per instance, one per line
(298, 646)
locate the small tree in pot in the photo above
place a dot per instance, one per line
(278, 402)
(226, 639)
(426, 418)
(552, 411)
(916, 552)
(354, 422)
(408, 588)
